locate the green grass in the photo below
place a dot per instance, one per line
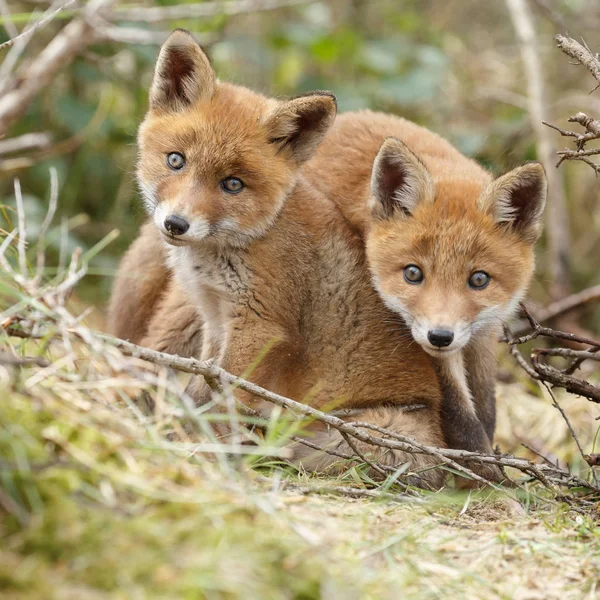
(97, 502)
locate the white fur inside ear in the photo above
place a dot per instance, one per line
(400, 181)
(518, 198)
(183, 74)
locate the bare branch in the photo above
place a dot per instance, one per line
(561, 307)
(580, 53)
(23, 143)
(37, 25)
(63, 48)
(157, 14)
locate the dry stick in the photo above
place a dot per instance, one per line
(446, 456)
(573, 385)
(590, 61)
(135, 35)
(157, 14)
(538, 330)
(568, 422)
(23, 143)
(40, 24)
(349, 457)
(63, 48)
(592, 126)
(22, 241)
(580, 53)
(549, 373)
(52, 204)
(560, 307)
(356, 451)
(208, 370)
(537, 453)
(557, 216)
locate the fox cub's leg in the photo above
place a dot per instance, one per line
(139, 286)
(422, 425)
(480, 359)
(175, 326)
(261, 351)
(463, 429)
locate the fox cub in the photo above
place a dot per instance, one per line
(450, 249)
(270, 264)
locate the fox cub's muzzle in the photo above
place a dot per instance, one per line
(176, 225)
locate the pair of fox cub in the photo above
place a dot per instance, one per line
(365, 260)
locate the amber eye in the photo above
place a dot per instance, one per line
(175, 161)
(232, 185)
(413, 274)
(479, 280)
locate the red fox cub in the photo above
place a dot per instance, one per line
(270, 263)
(450, 249)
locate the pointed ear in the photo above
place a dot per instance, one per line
(517, 200)
(399, 182)
(300, 124)
(183, 74)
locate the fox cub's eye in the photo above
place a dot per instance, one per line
(232, 185)
(479, 280)
(175, 161)
(413, 274)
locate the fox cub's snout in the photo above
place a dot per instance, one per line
(453, 256)
(217, 160)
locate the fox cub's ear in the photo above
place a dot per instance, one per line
(300, 124)
(183, 74)
(518, 199)
(399, 182)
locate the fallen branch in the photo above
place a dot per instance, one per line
(392, 440)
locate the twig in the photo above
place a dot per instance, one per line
(15, 361)
(580, 53)
(23, 143)
(63, 48)
(156, 14)
(447, 456)
(135, 35)
(590, 61)
(568, 422)
(40, 24)
(560, 307)
(22, 241)
(547, 373)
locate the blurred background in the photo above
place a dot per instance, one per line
(454, 66)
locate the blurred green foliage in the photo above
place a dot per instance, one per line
(452, 66)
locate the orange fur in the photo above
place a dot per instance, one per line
(275, 272)
(416, 200)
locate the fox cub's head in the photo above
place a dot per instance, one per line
(452, 256)
(216, 160)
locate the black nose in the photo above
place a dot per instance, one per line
(440, 337)
(176, 225)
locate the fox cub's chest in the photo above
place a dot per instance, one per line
(196, 268)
